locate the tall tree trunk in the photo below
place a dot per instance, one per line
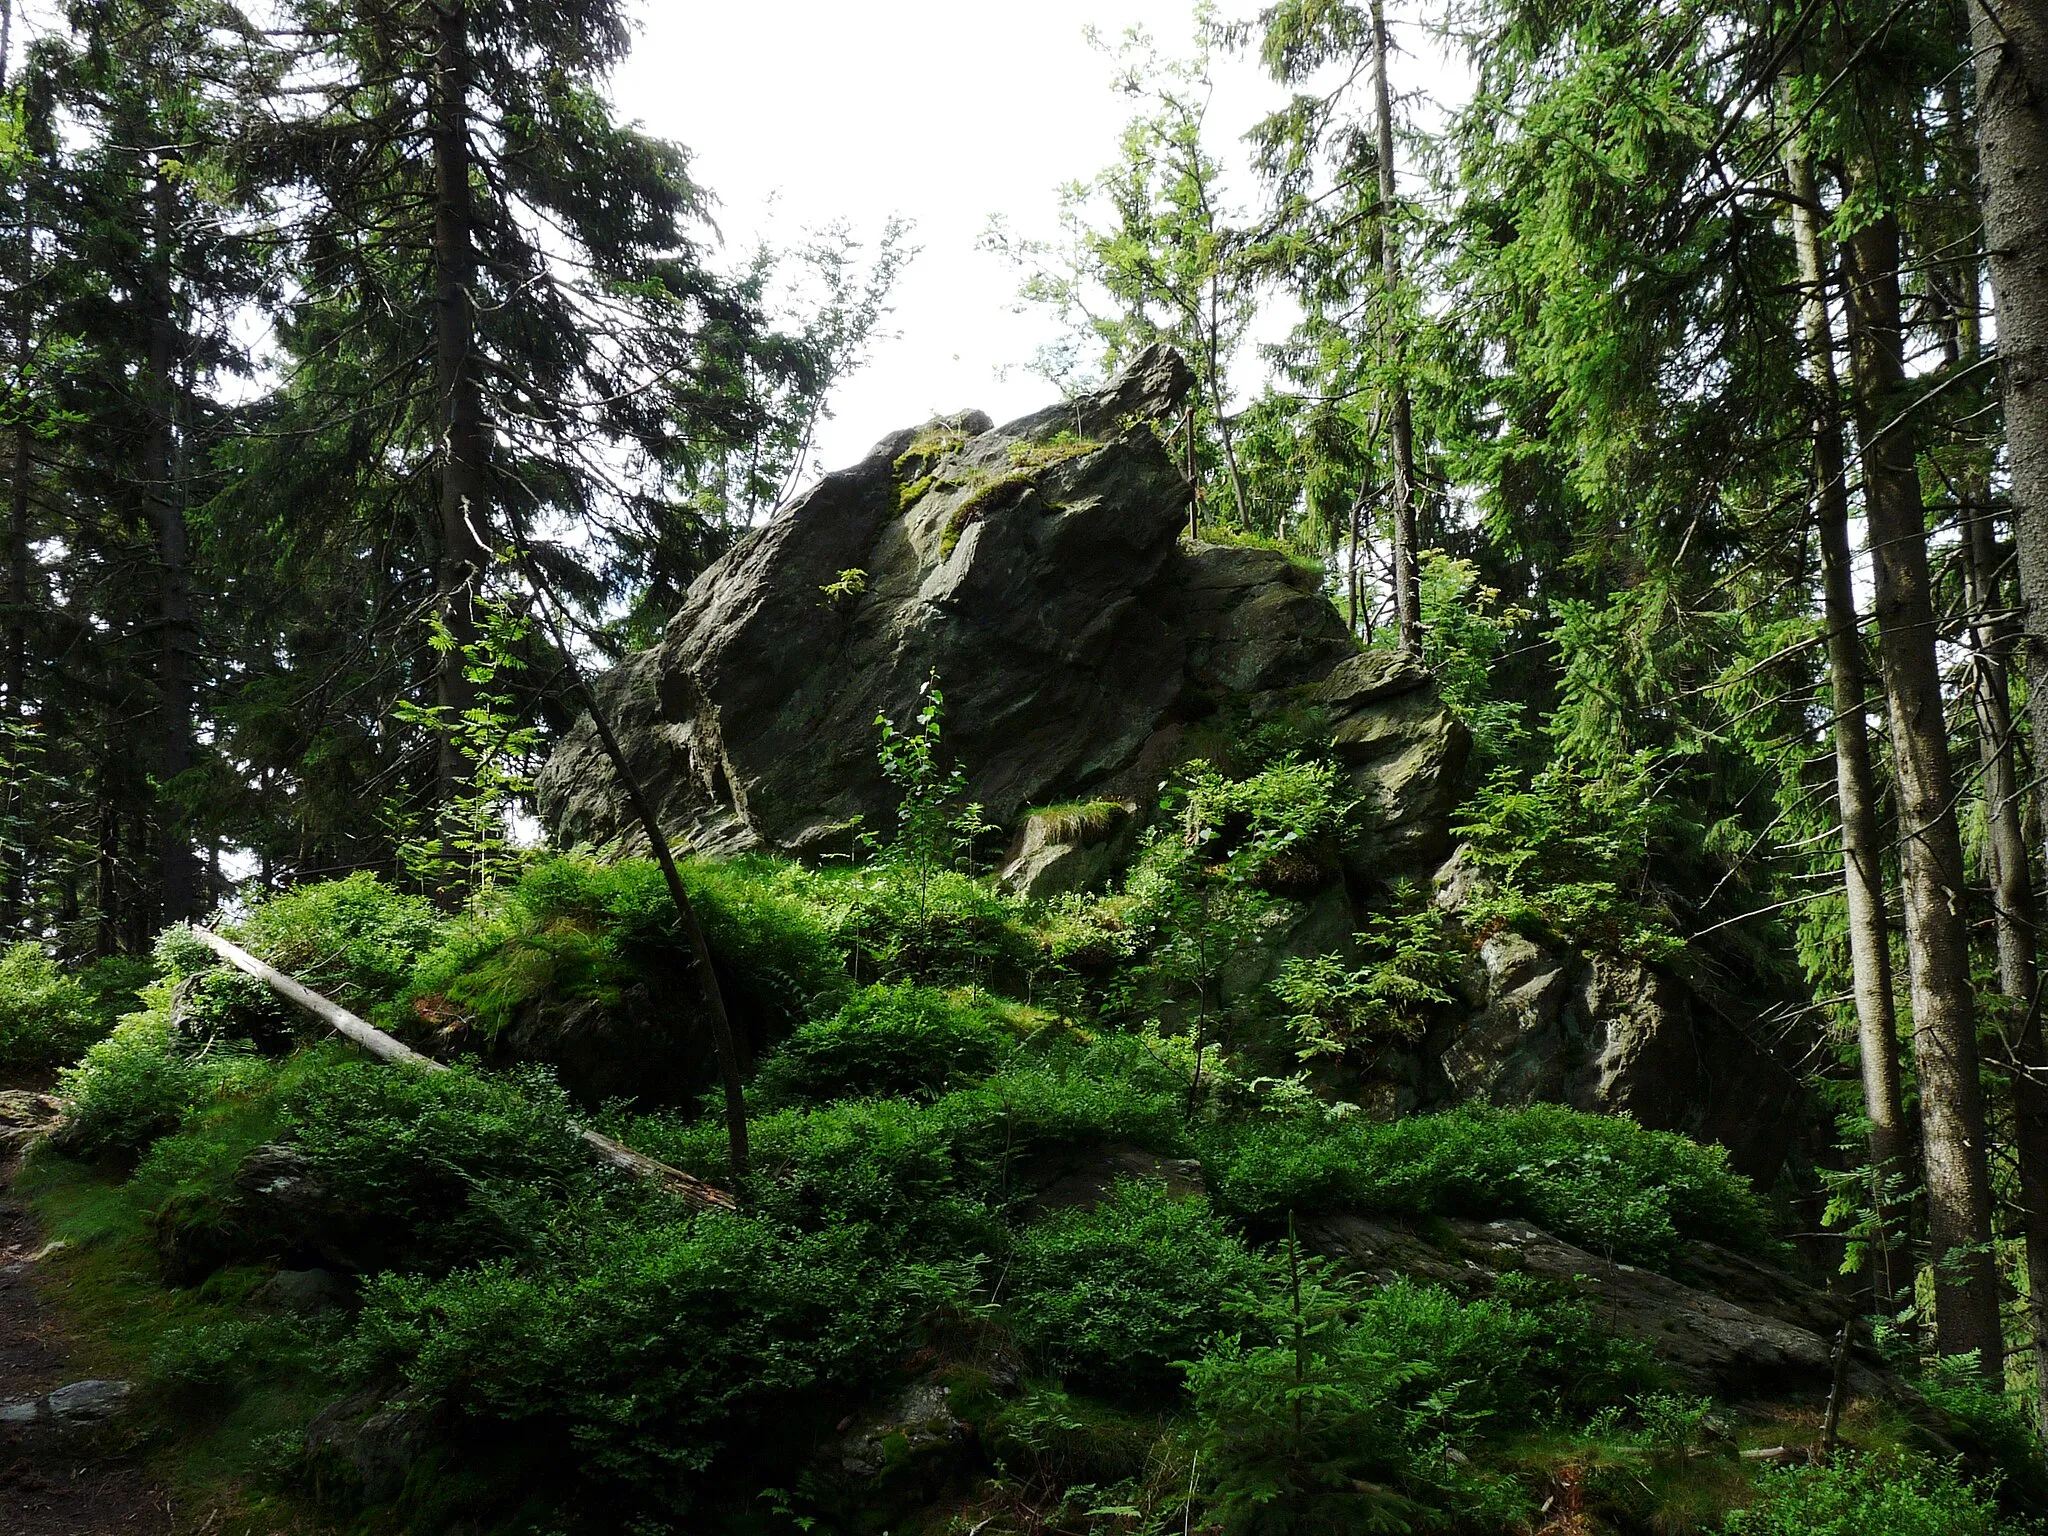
(2009, 43)
(106, 894)
(1400, 415)
(14, 633)
(1891, 1140)
(1993, 644)
(465, 445)
(1952, 1122)
(181, 899)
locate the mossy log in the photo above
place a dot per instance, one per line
(388, 1048)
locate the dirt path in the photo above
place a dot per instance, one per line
(55, 1480)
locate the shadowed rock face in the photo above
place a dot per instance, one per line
(1039, 569)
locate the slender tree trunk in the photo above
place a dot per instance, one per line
(1400, 416)
(106, 895)
(725, 1044)
(179, 638)
(1216, 398)
(465, 445)
(1952, 1121)
(14, 634)
(1891, 1140)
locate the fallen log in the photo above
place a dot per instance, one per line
(685, 1186)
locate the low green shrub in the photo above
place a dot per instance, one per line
(574, 930)
(1412, 964)
(1601, 1181)
(660, 1354)
(1116, 1297)
(1869, 1496)
(909, 1040)
(115, 984)
(224, 1004)
(355, 939)
(204, 1366)
(1341, 1422)
(929, 1177)
(468, 1166)
(946, 929)
(132, 1087)
(882, 1169)
(1985, 1422)
(47, 1019)
(1110, 1093)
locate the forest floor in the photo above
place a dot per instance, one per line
(57, 1481)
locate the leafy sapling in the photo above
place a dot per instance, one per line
(929, 830)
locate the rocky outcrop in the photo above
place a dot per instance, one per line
(1609, 1034)
(1039, 571)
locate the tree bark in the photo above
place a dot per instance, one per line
(1952, 1121)
(2012, 887)
(2009, 43)
(1891, 1140)
(465, 445)
(1400, 413)
(14, 634)
(2009, 46)
(179, 640)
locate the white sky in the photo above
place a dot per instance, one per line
(944, 111)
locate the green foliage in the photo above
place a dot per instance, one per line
(1600, 1181)
(1465, 628)
(470, 841)
(934, 828)
(882, 1172)
(573, 929)
(1116, 1297)
(47, 1019)
(180, 952)
(1413, 961)
(1280, 826)
(1340, 1424)
(1987, 1422)
(131, 1088)
(227, 1005)
(931, 1178)
(660, 1353)
(938, 928)
(1572, 855)
(454, 1166)
(1866, 1495)
(903, 1039)
(204, 1367)
(355, 939)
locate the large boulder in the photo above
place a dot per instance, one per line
(1610, 1034)
(1039, 569)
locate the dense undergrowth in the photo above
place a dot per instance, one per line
(556, 1347)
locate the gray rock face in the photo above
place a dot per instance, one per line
(1038, 568)
(1611, 1035)
(370, 1440)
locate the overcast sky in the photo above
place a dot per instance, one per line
(799, 112)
